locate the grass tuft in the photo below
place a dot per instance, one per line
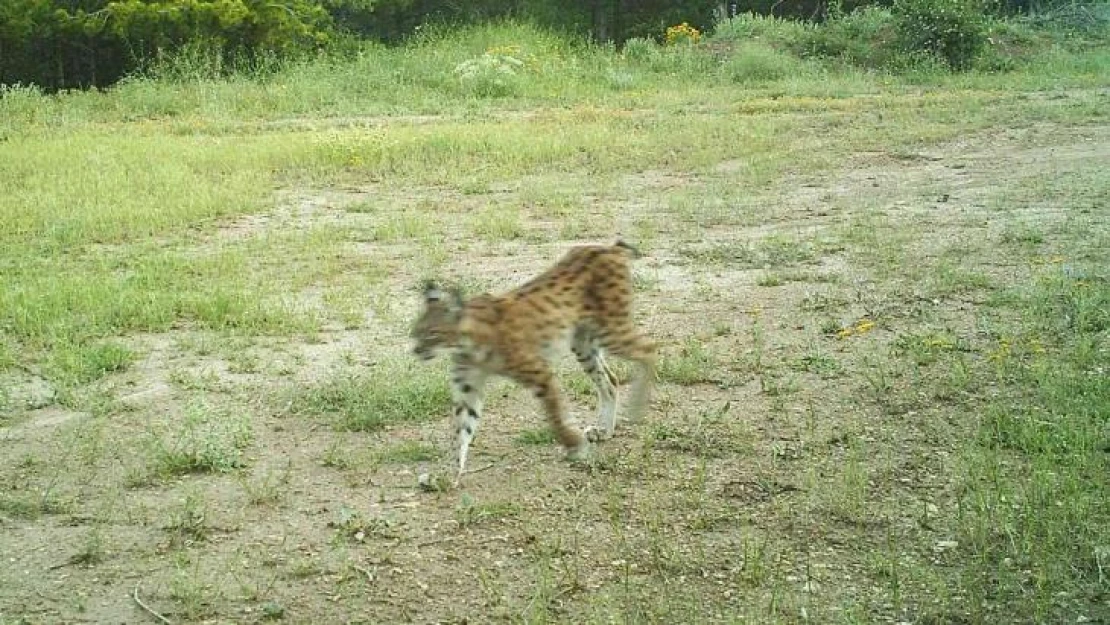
(209, 439)
(378, 400)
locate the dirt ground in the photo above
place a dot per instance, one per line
(776, 478)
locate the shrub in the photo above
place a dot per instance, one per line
(681, 34)
(953, 30)
(495, 73)
(866, 37)
(754, 62)
(640, 49)
(780, 33)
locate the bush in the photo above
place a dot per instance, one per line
(496, 73)
(780, 33)
(866, 37)
(753, 62)
(640, 50)
(955, 31)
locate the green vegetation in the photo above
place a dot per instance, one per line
(879, 286)
(378, 400)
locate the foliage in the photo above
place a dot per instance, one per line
(682, 34)
(953, 30)
(866, 37)
(754, 63)
(57, 44)
(914, 34)
(494, 73)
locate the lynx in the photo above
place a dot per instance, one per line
(585, 300)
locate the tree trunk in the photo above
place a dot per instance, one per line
(602, 16)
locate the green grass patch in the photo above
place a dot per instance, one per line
(208, 439)
(692, 364)
(81, 364)
(536, 436)
(386, 396)
(407, 452)
(771, 252)
(1035, 504)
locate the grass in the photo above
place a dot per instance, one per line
(693, 364)
(873, 405)
(377, 400)
(409, 452)
(208, 440)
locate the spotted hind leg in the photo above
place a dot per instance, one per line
(625, 341)
(536, 375)
(588, 353)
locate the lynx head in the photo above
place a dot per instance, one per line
(437, 327)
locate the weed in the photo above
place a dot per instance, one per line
(927, 348)
(353, 526)
(409, 451)
(208, 440)
(818, 363)
(191, 589)
(92, 549)
(470, 513)
(189, 521)
(336, 457)
(269, 487)
(692, 365)
(377, 400)
(536, 436)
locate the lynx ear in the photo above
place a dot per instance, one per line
(432, 292)
(457, 295)
(435, 293)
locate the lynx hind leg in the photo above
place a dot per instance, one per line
(587, 351)
(628, 343)
(538, 377)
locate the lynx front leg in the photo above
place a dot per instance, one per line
(466, 391)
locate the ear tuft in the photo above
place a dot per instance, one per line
(432, 292)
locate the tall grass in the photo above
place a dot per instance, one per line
(421, 78)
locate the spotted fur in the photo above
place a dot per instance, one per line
(584, 300)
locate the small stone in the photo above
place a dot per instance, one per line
(944, 545)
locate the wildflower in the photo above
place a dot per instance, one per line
(682, 33)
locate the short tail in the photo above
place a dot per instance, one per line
(621, 244)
